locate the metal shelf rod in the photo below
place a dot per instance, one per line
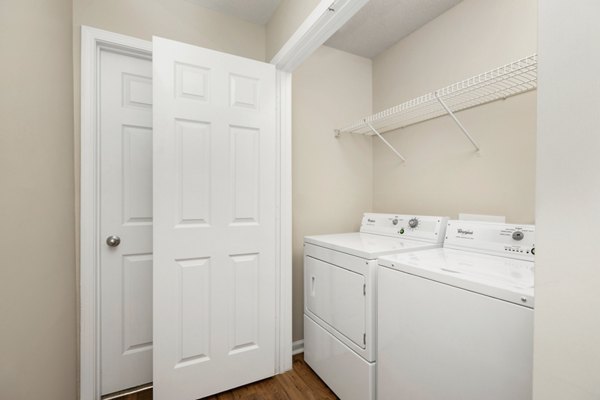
(460, 125)
(385, 141)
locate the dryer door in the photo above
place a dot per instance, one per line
(337, 297)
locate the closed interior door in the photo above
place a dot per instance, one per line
(125, 122)
(214, 220)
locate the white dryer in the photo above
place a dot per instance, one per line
(456, 323)
(341, 292)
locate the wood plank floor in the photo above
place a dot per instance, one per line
(301, 383)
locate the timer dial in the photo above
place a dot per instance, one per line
(518, 235)
(413, 222)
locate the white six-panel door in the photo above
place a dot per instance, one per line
(125, 122)
(214, 220)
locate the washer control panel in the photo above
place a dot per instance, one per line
(509, 240)
(416, 227)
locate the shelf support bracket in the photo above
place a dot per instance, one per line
(384, 141)
(462, 128)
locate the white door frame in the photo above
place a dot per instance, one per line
(93, 41)
(315, 30)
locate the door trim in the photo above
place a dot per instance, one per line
(321, 23)
(325, 20)
(93, 41)
(283, 324)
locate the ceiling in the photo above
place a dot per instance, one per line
(376, 27)
(382, 23)
(256, 11)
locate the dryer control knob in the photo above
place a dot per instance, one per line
(413, 222)
(518, 235)
(395, 221)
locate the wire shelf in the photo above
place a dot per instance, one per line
(503, 82)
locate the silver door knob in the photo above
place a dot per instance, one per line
(113, 241)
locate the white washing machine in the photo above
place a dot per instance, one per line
(456, 323)
(340, 294)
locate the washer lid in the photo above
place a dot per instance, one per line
(500, 277)
(366, 245)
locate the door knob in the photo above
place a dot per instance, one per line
(113, 241)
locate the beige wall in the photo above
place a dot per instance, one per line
(285, 21)
(173, 19)
(567, 273)
(331, 177)
(37, 270)
(442, 175)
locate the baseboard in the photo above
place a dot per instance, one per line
(297, 347)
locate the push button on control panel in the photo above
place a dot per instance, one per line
(517, 249)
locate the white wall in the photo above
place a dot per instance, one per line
(567, 316)
(331, 177)
(442, 174)
(38, 328)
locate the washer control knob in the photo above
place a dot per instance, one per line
(517, 235)
(413, 222)
(395, 221)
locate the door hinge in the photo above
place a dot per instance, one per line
(364, 289)
(365, 339)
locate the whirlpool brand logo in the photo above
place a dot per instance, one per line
(464, 232)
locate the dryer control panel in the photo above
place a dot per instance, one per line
(417, 227)
(507, 240)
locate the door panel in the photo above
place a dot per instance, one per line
(214, 227)
(125, 89)
(137, 303)
(194, 311)
(193, 171)
(336, 296)
(244, 313)
(137, 174)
